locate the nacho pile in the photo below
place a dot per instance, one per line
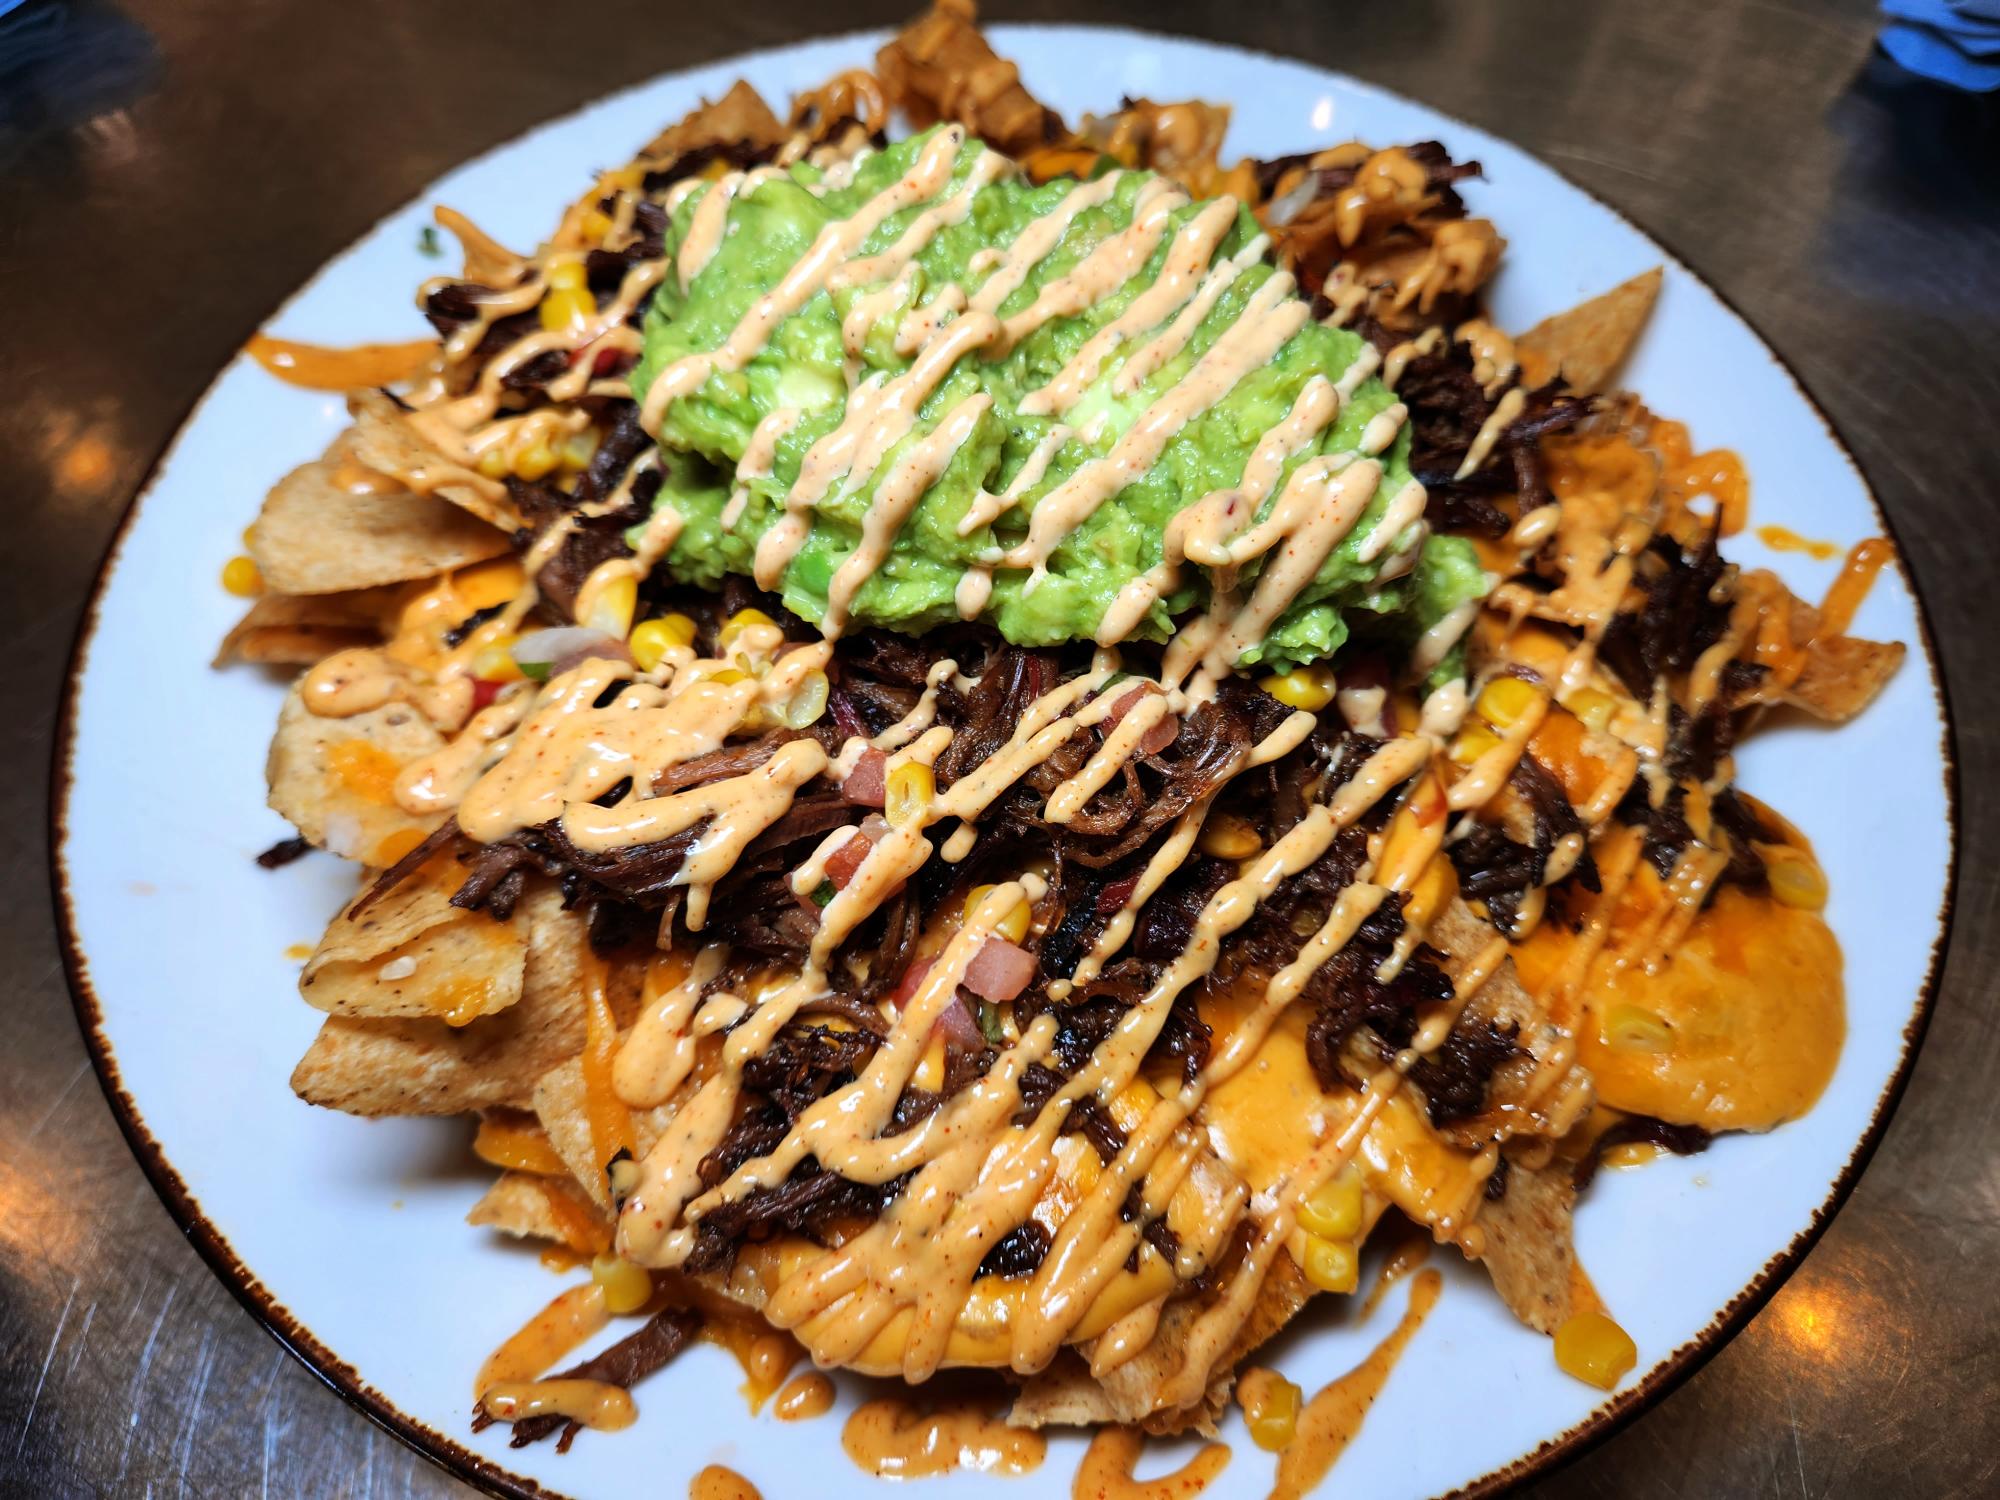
(1067, 1004)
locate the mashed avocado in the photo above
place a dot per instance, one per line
(805, 367)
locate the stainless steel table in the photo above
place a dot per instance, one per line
(225, 150)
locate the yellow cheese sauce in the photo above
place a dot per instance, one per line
(894, 1439)
(1750, 998)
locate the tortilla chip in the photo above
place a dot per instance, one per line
(1529, 1251)
(1844, 675)
(301, 629)
(1067, 1395)
(1587, 344)
(487, 261)
(422, 1067)
(1503, 1001)
(739, 117)
(561, 1107)
(315, 537)
(929, 69)
(517, 1205)
(334, 779)
(384, 440)
(412, 953)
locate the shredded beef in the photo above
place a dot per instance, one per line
(283, 853)
(1453, 1079)
(1019, 1252)
(1682, 1140)
(1447, 408)
(1688, 595)
(1499, 871)
(624, 1364)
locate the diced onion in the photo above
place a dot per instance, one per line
(1286, 207)
(543, 654)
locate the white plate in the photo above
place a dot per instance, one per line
(346, 1237)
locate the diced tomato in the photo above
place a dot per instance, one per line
(867, 785)
(484, 692)
(1155, 739)
(845, 860)
(1115, 895)
(913, 980)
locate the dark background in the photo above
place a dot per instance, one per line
(157, 203)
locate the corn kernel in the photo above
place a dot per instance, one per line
(1594, 1349)
(1593, 707)
(1473, 743)
(1505, 701)
(596, 225)
(727, 676)
(566, 308)
(248, 531)
(1333, 1209)
(567, 275)
(1331, 1265)
(577, 451)
(929, 1073)
(1013, 927)
(240, 576)
(611, 605)
(1271, 1407)
(627, 1287)
(1633, 1028)
(652, 639)
(1225, 836)
(493, 462)
(807, 702)
(537, 461)
(739, 622)
(1795, 880)
(909, 791)
(494, 662)
(1309, 688)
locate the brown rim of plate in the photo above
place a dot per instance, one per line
(455, 1458)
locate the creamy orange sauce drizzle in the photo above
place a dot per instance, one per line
(1106, 1470)
(766, 1355)
(717, 1483)
(804, 1397)
(566, 1322)
(1411, 1251)
(1784, 539)
(596, 1404)
(318, 368)
(893, 1439)
(1332, 1418)
(1850, 589)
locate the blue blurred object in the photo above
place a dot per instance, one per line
(65, 64)
(1951, 41)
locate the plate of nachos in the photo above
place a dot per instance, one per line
(1051, 759)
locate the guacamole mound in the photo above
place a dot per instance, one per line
(805, 367)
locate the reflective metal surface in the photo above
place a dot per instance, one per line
(192, 161)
